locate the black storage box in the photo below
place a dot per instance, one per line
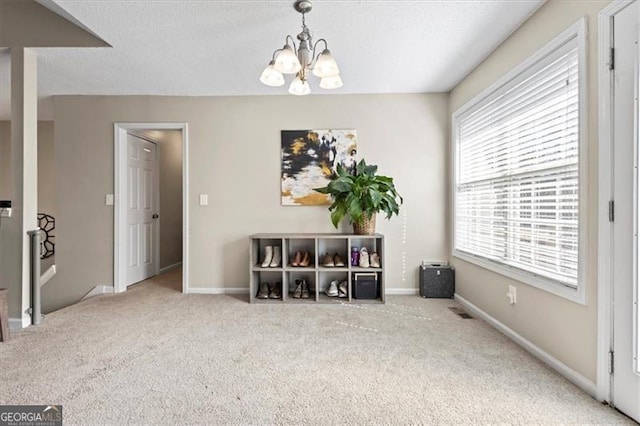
(365, 285)
(437, 281)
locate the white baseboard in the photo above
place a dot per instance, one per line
(401, 291)
(574, 377)
(98, 290)
(48, 274)
(15, 324)
(170, 267)
(217, 290)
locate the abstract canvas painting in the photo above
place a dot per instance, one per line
(309, 160)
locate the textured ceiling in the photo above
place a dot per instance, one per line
(219, 48)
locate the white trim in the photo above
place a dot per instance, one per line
(615, 7)
(524, 277)
(573, 376)
(218, 290)
(580, 295)
(185, 208)
(170, 267)
(119, 140)
(98, 290)
(605, 194)
(401, 291)
(48, 274)
(579, 31)
(119, 219)
(16, 324)
(157, 198)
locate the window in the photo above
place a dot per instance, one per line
(518, 150)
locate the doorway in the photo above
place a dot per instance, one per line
(150, 202)
(624, 209)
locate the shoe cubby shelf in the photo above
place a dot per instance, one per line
(272, 259)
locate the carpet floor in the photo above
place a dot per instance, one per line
(155, 356)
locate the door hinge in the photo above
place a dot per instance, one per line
(612, 58)
(611, 211)
(610, 362)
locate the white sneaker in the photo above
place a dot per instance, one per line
(375, 260)
(342, 289)
(332, 291)
(364, 258)
(268, 255)
(277, 257)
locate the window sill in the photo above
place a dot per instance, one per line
(542, 283)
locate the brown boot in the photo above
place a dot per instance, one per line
(327, 261)
(306, 259)
(297, 258)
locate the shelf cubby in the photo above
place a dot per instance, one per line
(271, 277)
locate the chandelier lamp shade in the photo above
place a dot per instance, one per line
(301, 60)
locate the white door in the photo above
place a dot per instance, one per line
(626, 254)
(142, 217)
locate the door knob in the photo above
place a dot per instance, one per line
(155, 216)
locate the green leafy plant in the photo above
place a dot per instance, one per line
(361, 195)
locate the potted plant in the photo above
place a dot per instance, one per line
(360, 196)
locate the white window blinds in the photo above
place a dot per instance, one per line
(517, 180)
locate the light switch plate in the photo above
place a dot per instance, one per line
(108, 199)
(204, 199)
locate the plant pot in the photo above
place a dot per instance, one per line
(366, 226)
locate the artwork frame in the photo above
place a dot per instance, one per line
(309, 159)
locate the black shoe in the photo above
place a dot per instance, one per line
(305, 290)
(276, 292)
(263, 293)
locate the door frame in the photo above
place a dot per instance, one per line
(120, 131)
(604, 379)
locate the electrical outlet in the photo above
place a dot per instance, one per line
(512, 295)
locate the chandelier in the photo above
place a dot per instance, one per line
(302, 61)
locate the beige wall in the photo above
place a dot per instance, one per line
(46, 165)
(5, 160)
(46, 169)
(46, 199)
(566, 330)
(170, 165)
(234, 156)
(8, 239)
